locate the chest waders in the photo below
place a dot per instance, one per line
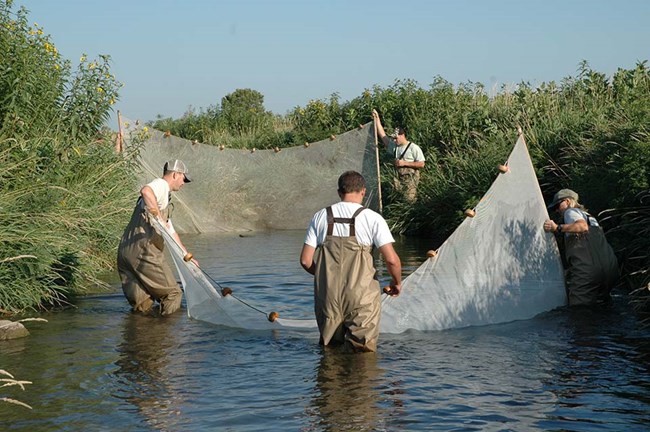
(408, 178)
(346, 293)
(144, 272)
(592, 269)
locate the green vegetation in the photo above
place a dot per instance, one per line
(589, 133)
(64, 193)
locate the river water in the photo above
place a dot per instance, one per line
(97, 367)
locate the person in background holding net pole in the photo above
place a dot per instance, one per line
(591, 266)
(409, 159)
(145, 275)
(346, 292)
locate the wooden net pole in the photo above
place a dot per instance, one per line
(118, 139)
(380, 205)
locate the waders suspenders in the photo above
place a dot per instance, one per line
(405, 150)
(331, 220)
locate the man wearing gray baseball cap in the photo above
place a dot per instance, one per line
(146, 277)
(591, 265)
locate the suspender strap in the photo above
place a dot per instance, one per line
(405, 150)
(331, 220)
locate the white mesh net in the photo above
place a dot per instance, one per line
(206, 303)
(498, 266)
(240, 190)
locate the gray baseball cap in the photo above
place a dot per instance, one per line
(562, 194)
(178, 166)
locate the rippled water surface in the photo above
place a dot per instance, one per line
(99, 367)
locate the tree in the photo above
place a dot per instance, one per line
(242, 111)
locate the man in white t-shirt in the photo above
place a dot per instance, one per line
(145, 275)
(408, 159)
(338, 252)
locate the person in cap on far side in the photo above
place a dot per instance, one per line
(145, 275)
(591, 265)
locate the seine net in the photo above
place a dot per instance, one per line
(497, 266)
(241, 190)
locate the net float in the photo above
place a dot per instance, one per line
(503, 168)
(306, 144)
(188, 257)
(273, 316)
(431, 253)
(332, 137)
(226, 291)
(470, 213)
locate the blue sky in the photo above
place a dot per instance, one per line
(171, 55)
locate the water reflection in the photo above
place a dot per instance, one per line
(600, 353)
(347, 396)
(146, 368)
(97, 367)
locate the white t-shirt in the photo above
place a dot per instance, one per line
(413, 154)
(370, 227)
(161, 191)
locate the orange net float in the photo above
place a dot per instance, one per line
(167, 134)
(226, 291)
(503, 169)
(389, 290)
(431, 253)
(469, 213)
(188, 257)
(273, 316)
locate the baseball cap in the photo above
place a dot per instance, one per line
(562, 194)
(397, 131)
(178, 166)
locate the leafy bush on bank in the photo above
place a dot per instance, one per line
(64, 193)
